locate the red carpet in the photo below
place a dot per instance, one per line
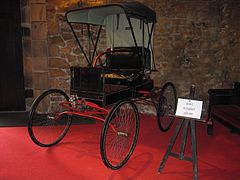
(78, 156)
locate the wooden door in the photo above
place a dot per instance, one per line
(11, 65)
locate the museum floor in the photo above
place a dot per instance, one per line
(77, 156)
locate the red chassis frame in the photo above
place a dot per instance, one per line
(90, 109)
(84, 108)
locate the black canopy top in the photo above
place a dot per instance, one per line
(97, 14)
(138, 10)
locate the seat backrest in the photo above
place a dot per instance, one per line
(128, 58)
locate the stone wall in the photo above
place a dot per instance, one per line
(195, 42)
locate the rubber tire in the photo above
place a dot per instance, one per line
(161, 107)
(32, 114)
(106, 131)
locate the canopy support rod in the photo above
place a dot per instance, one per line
(95, 44)
(89, 45)
(143, 45)
(79, 43)
(150, 33)
(131, 27)
(150, 44)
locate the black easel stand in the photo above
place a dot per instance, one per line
(185, 122)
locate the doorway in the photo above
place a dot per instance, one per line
(12, 95)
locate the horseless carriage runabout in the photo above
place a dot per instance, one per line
(112, 83)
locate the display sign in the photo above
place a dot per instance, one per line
(189, 108)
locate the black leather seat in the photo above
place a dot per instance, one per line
(128, 62)
(128, 58)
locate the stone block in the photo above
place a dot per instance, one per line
(71, 58)
(65, 50)
(39, 48)
(67, 36)
(76, 51)
(38, 12)
(28, 81)
(64, 27)
(54, 73)
(40, 80)
(73, 44)
(59, 83)
(53, 28)
(40, 64)
(27, 64)
(53, 50)
(56, 40)
(51, 13)
(58, 63)
(27, 49)
(25, 14)
(39, 30)
(38, 92)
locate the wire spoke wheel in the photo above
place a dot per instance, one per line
(119, 134)
(48, 123)
(166, 106)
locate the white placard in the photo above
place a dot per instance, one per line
(189, 108)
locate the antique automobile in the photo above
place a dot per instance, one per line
(116, 41)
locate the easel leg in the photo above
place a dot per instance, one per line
(172, 141)
(181, 155)
(184, 139)
(194, 148)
